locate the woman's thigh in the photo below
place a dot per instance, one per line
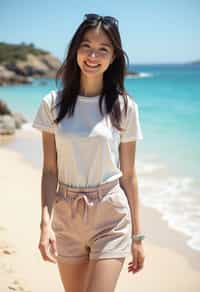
(103, 274)
(74, 276)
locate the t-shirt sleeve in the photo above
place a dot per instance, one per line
(131, 124)
(43, 119)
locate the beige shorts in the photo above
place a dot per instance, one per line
(92, 223)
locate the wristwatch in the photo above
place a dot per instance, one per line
(138, 237)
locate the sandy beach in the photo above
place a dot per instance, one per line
(170, 266)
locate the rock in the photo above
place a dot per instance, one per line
(9, 121)
(7, 124)
(19, 119)
(4, 110)
(10, 77)
(29, 67)
(52, 62)
(5, 73)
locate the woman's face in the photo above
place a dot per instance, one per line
(95, 52)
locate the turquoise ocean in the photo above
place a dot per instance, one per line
(168, 157)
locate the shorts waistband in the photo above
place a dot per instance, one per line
(100, 189)
(89, 194)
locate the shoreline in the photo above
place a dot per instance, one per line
(166, 252)
(26, 140)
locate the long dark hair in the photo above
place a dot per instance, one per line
(113, 78)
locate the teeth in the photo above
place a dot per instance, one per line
(92, 66)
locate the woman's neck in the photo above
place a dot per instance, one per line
(91, 86)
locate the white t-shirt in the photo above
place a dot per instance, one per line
(87, 144)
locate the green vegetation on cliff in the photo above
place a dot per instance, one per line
(10, 53)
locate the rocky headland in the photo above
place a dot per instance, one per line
(21, 63)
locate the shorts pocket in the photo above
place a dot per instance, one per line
(60, 214)
(60, 202)
(118, 198)
(58, 199)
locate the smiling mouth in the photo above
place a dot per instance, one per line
(91, 66)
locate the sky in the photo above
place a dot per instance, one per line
(152, 31)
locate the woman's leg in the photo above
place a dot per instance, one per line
(91, 276)
(103, 274)
(73, 275)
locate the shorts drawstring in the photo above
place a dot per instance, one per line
(74, 205)
(77, 194)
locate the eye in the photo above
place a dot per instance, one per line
(85, 45)
(103, 49)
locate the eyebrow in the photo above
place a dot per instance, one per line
(102, 44)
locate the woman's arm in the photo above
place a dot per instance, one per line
(49, 178)
(128, 181)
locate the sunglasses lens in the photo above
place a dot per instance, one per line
(93, 16)
(111, 19)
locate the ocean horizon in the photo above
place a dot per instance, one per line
(168, 96)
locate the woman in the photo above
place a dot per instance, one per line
(90, 219)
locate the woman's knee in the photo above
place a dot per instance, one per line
(104, 274)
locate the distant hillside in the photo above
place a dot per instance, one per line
(195, 62)
(20, 62)
(13, 52)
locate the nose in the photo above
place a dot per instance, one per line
(93, 53)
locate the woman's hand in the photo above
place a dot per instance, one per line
(47, 244)
(138, 257)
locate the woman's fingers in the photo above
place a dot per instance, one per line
(45, 252)
(138, 258)
(134, 268)
(136, 264)
(47, 245)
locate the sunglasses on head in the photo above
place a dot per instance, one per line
(109, 19)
